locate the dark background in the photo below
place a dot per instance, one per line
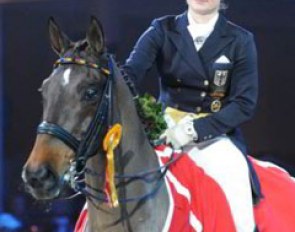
(26, 60)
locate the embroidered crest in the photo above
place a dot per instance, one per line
(220, 77)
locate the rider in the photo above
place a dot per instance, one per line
(208, 76)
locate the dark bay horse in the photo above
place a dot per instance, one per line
(71, 96)
(83, 98)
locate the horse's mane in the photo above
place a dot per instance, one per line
(149, 111)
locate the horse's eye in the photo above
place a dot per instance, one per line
(90, 94)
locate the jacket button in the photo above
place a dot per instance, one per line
(203, 94)
(178, 80)
(198, 109)
(206, 82)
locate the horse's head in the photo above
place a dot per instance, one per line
(70, 96)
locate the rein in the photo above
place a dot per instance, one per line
(89, 145)
(156, 175)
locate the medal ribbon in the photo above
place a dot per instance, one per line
(110, 142)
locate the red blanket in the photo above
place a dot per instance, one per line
(276, 212)
(198, 204)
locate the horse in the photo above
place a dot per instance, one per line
(84, 96)
(92, 139)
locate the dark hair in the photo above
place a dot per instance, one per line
(223, 5)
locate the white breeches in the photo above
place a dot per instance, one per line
(225, 163)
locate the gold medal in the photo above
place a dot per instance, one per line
(215, 106)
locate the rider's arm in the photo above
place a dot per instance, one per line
(144, 52)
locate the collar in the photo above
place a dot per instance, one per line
(198, 29)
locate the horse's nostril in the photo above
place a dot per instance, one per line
(40, 177)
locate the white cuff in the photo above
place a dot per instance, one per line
(190, 130)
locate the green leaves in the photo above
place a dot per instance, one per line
(151, 114)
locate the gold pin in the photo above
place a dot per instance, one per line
(215, 106)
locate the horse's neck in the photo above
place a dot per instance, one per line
(135, 155)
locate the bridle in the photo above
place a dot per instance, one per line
(90, 143)
(88, 146)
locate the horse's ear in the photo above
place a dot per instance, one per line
(59, 41)
(95, 36)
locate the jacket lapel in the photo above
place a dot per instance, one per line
(219, 38)
(182, 39)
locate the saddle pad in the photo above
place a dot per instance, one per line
(276, 211)
(197, 203)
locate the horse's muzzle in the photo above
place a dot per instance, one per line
(41, 182)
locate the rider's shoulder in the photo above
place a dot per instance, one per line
(167, 22)
(239, 31)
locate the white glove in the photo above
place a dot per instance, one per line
(181, 134)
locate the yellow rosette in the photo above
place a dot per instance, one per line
(110, 142)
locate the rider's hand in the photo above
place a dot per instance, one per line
(181, 134)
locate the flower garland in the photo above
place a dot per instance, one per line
(151, 114)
